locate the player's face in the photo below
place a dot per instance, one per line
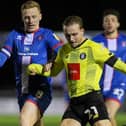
(110, 24)
(31, 18)
(74, 34)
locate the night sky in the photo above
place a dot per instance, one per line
(54, 12)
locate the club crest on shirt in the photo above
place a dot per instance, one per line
(40, 37)
(26, 49)
(82, 56)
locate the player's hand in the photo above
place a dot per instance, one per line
(47, 67)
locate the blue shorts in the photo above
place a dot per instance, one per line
(42, 102)
(39, 93)
(116, 93)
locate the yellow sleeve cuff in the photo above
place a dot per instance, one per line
(120, 65)
(35, 68)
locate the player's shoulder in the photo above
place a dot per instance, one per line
(14, 32)
(45, 30)
(48, 33)
(65, 48)
(18, 30)
(122, 35)
(98, 36)
(92, 43)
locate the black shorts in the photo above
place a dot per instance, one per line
(87, 108)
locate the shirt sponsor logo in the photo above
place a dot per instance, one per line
(74, 71)
(27, 54)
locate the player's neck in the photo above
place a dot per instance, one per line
(111, 35)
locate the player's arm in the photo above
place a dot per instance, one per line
(7, 49)
(117, 64)
(3, 59)
(49, 69)
(103, 55)
(113, 61)
(57, 65)
(53, 41)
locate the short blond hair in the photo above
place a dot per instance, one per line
(73, 20)
(30, 4)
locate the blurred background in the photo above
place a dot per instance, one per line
(54, 12)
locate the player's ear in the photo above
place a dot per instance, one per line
(118, 24)
(83, 30)
(40, 16)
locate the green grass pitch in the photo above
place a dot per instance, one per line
(6, 120)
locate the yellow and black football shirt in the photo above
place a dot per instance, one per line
(84, 66)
